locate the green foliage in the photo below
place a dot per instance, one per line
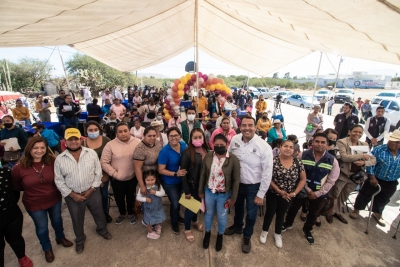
(27, 73)
(275, 76)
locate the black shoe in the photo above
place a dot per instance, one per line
(340, 218)
(79, 248)
(246, 247)
(175, 228)
(218, 245)
(309, 237)
(181, 220)
(108, 218)
(329, 218)
(232, 230)
(286, 226)
(206, 240)
(318, 223)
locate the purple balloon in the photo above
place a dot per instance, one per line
(223, 93)
(171, 112)
(200, 74)
(190, 83)
(218, 91)
(205, 77)
(186, 87)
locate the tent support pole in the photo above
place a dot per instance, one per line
(316, 79)
(196, 39)
(65, 72)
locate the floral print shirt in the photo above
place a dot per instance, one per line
(285, 179)
(216, 182)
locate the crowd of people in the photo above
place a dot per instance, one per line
(213, 155)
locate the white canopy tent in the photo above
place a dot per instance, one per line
(257, 35)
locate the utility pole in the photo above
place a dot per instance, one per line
(337, 74)
(65, 71)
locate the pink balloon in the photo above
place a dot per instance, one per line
(200, 74)
(193, 77)
(166, 101)
(205, 77)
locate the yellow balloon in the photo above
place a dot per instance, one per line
(188, 76)
(228, 91)
(218, 86)
(181, 93)
(212, 87)
(183, 80)
(167, 116)
(181, 86)
(207, 87)
(165, 111)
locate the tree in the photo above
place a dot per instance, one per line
(275, 76)
(287, 75)
(295, 77)
(28, 73)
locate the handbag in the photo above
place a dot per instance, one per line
(11, 156)
(358, 177)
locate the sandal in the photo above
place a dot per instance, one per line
(189, 236)
(198, 226)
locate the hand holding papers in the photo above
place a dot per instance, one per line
(192, 204)
(11, 143)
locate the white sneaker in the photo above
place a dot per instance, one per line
(263, 237)
(278, 240)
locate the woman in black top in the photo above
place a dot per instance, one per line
(191, 161)
(94, 111)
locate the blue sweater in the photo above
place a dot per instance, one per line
(51, 137)
(272, 135)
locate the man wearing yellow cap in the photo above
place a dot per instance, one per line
(78, 176)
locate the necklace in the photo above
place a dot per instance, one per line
(39, 173)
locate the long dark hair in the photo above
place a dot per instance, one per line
(191, 147)
(151, 173)
(27, 160)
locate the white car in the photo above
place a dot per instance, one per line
(284, 94)
(264, 91)
(392, 111)
(385, 95)
(327, 93)
(303, 101)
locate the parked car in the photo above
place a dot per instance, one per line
(256, 93)
(264, 91)
(303, 101)
(385, 95)
(327, 93)
(274, 89)
(284, 94)
(344, 95)
(392, 111)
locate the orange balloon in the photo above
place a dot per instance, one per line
(215, 81)
(218, 86)
(204, 85)
(221, 81)
(181, 86)
(176, 82)
(174, 94)
(209, 82)
(212, 87)
(207, 87)
(174, 88)
(181, 93)
(177, 101)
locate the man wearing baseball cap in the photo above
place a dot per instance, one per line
(78, 176)
(386, 172)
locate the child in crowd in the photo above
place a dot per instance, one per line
(293, 138)
(135, 114)
(276, 147)
(153, 211)
(208, 132)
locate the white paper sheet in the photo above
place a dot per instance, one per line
(359, 150)
(11, 142)
(67, 108)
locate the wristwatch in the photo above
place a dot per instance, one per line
(175, 174)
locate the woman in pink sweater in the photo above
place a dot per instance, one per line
(117, 161)
(225, 130)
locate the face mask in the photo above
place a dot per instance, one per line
(176, 118)
(73, 150)
(261, 99)
(265, 117)
(93, 135)
(332, 143)
(191, 117)
(198, 143)
(220, 150)
(159, 117)
(8, 125)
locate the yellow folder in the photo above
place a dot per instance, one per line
(192, 204)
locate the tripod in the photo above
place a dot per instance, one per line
(277, 114)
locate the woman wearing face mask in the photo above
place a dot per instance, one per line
(22, 113)
(10, 130)
(191, 161)
(349, 165)
(159, 119)
(175, 121)
(264, 125)
(332, 137)
(218, 185)
(225, 130)
(97, 142)
(111, 123)
(137, 130)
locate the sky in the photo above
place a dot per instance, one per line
(175, 67)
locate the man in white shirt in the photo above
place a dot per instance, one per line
(376, 127)
(107, 95)
(232, 121)
(78, 176)
(255, 157)
(117, 94)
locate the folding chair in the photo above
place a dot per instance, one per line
(349, 201)
(397, 229)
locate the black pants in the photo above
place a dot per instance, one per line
(125, 190)
(388, 188)
(11, 231)
(275, 205)
(314, 206)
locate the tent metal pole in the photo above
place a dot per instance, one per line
(316, 79)
(65, 72)
(196, 39)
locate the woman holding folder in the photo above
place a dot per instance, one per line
(218, 185)
(191, 161)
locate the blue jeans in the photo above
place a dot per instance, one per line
(190, 216)
(41, 224)
(61, 119)
(246, 196)
(216, 203)
(104, 196)
(174, 192)
(329, 110)
(73, 122)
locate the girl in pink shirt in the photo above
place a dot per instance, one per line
(225, 130)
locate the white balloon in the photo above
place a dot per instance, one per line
(211, 76)
(169, 91)
(172, 84)
(176, 108)
(201, 80)
(172, 104)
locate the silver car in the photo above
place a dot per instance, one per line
(303, 101)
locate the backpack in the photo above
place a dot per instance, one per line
(151, 114)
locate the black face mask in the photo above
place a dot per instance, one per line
(332, 143)
(74, 150)
(176, 118)
(265, 117)
(220, 150)
(8, 125)
(261, 99)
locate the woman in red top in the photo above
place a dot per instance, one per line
(34, 174)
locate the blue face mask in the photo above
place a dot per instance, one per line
(93, 135)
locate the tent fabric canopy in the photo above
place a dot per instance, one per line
(257, 35)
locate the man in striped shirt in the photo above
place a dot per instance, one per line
(386, 172)
(78, 175)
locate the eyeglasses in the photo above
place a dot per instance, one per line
(174, 136)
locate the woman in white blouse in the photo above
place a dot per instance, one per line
(137, 130)
(136, 99)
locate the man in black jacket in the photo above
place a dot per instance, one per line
(344, 121)
(70, 111)
(57, 102)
